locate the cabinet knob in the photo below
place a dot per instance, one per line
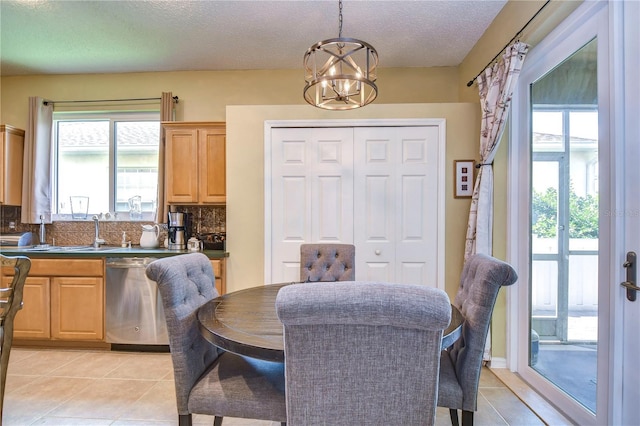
(377, 252)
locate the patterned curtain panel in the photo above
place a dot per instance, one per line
(166, 114)
(36, 167)
(496, 86)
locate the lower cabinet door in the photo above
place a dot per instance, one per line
(77, 308)
(219, 272)
(32, 321)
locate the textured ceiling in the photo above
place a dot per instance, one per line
(69, 37)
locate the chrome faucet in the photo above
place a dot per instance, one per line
(97, 241)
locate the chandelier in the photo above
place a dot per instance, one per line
(340, 73)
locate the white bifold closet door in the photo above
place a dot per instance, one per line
(396, 221)
(312, 193)
(375, 187)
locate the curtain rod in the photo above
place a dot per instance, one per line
(175, 99)
(507, 45)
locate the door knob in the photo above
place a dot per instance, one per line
(630, 283)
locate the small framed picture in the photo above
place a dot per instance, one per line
(463, 172)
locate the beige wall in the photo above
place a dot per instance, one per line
(245, 185)
(204, 95)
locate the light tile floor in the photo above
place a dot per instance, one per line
(73, 387)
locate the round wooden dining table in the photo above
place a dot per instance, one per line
(245, 322)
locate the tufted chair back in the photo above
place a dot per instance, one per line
(209, 380)
(362, 353)
(327, 262)
(185, 283)
(481, 279)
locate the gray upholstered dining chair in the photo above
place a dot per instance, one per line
(10, 303)
(327, 262)
(460, 365)
(207, 379)
(362, 353)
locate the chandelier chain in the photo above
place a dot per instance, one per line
(340, 19)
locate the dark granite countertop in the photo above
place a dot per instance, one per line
(104, 251)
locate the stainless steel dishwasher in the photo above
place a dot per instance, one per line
(134, 315)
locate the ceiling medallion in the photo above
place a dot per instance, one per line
(340, 73)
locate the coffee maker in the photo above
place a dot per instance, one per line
(179, 229)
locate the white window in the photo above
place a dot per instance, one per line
(106, 163)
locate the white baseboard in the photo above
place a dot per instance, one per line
(498, 362)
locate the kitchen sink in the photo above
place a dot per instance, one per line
(101, 248)
(48, 248)
(51, 248)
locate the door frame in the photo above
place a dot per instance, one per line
(570, 34)
(407, 122)
(626, 131)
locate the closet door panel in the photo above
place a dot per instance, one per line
(328, 210)
(374, 198)
(401, 217)
(290, 202)
(331, 161)
(418, 177)
(312, 193)
(375, 229)
(293, 206)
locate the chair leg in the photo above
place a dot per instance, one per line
(6, 338)
(184, 419)
(454, 417)
(217, 421)
(467, 418)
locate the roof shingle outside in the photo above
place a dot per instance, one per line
(82, 134)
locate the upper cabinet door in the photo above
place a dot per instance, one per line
(195, 163)
(212, 180)
(11, 151)
(182, 165)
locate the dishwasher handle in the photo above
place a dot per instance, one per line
(129, 262)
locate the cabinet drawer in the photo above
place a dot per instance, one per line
(67, 267)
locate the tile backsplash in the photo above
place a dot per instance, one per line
(81, 232)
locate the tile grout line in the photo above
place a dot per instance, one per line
(493, 406)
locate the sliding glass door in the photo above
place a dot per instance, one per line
(560, 117)
(564, 241)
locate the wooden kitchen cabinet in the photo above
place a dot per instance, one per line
(32, 321)
(76, 308)
(11, 153)
(195, 162)
(219, 266)
(63, 300)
